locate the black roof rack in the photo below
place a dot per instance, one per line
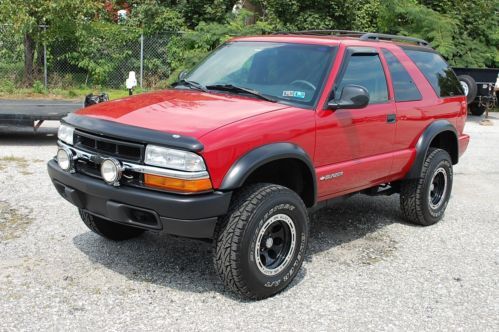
(382, 36)
(346, 33)
(358, 34)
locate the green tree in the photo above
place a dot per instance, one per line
(88, 38)
(153, 17)
(197, 11)
(465, 32)
(412, 19)
(63, 16)
(477, 37)
(174, 15)
(187, 49)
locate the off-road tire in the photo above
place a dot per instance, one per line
(236, 240)
(415, 193)
(109, 229)
(477, 109)
(472, 87)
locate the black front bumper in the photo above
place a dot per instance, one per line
(191, 216)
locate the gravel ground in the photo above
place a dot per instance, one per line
(366, 269)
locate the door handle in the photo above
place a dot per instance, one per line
(391, 118)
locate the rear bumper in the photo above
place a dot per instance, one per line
(190, 216)
(463, 143)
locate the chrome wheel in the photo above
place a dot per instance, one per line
(438, 188)
(275, 245)
(465, 87)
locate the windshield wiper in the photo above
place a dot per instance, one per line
(238, 89)
(191, 84)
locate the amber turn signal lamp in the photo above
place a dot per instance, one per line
(167, 183)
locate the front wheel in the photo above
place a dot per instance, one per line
(260, 245)
(424, 200)
(109, 229)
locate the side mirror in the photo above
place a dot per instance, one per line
(352, 97)
(182, 75)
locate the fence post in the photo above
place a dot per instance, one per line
(45, 78)
(141, 58)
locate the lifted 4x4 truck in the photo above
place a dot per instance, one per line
(264, 130)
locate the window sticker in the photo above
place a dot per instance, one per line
(294, 94)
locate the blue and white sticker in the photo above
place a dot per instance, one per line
(294, 94)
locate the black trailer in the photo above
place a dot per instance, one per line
(479, 85)
(32, 113)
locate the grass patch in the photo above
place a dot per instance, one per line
(14, 159)
(58, 93)
(13, 223)
(21, 162)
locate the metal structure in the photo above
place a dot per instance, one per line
(362, 35)
(382, 36)
(484, 96)
(32, 113)
(59, 64)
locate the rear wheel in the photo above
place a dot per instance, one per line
(260, 245)
(424, 200)
(109, 229)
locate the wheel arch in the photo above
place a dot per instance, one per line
(296, 170)
(440, 134)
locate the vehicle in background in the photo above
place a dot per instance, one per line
(480, 86)
(32, 113)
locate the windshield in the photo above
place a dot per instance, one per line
(292, 73)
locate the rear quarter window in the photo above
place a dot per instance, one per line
(437, 72)
(403, 85)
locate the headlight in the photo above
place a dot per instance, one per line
(175, 159)
(65, 134)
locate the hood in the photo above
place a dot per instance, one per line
(184, 112)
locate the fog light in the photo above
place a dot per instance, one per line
(65, 159)
(111, 171)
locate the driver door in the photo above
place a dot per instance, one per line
(355, 146)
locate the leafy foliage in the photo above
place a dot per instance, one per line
(186, 50)
(24, 17)
(465, 32)
(101, 47)
(197, 11)
(153, 18)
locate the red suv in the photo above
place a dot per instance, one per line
(260, 133)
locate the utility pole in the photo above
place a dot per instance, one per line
(45, 74)
(141, 58)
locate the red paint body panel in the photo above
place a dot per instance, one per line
(359, 143)
(464, 140)
(292, 125)
(183, 112)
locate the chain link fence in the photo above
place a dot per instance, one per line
(11, 57)
(99, 58)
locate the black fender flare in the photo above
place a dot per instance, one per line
(248, 163)
(424, 142)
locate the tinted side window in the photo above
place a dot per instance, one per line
(366, 70)
(403, 85)
(437, 72)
